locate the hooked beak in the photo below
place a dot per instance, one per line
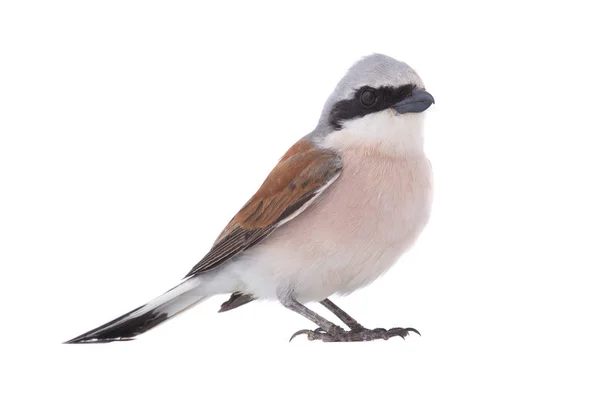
(418, 101)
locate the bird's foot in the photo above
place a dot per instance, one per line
(354, 335)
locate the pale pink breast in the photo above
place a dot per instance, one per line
(355, 230)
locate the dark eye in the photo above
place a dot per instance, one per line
(368, 98)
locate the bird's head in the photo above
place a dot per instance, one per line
(378, 103)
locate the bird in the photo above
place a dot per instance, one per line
(342, 205)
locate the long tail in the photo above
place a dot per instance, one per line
(146, 317)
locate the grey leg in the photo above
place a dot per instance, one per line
(307, 313)
(342, 315)
(329, 332)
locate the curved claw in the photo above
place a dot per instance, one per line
(413, 330)
(300, 332)
(398, 332)
(402, 332)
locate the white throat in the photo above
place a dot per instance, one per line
(383, 132)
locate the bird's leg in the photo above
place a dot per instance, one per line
(329, 332)
(324, 325)
(342, 315)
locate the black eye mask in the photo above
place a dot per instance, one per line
(367, 100)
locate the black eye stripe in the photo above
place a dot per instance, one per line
(384, 97)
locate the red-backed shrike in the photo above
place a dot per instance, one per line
(339, 209)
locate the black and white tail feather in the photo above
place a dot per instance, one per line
(146, 317)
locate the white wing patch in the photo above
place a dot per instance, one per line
(308, 203)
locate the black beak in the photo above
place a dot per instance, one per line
(417, 102)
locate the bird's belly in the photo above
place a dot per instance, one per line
(351, 235)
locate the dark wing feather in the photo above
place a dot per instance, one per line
(236, 300)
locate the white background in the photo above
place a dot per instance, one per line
(131, 132)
